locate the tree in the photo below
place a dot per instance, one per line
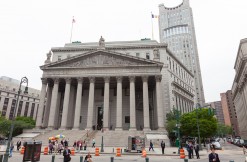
(206, 121)
(171, 121)
(223, 130)
(19, 124)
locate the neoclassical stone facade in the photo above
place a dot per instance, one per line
(111, 86)
(239, 88)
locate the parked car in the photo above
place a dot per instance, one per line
(217, 145)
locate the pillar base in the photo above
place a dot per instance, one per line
(118, 129)
(62, 129)
(49, 128)
(132, 129)
(147, 129)
(75, 128)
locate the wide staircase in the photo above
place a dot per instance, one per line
(115, 138)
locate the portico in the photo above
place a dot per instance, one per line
(101, 89)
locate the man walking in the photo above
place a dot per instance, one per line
(163, 145)
(151, 146)
(18, 145)
(197, 150)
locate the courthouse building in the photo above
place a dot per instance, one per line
(127, 85)
(239, 88)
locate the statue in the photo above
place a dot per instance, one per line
(156, 54)
(102, 42)
(48, 60)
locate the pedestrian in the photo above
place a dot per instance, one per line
(163, 145)
(213, 157)
(85, 145)
(151, 146)
(66, 143)
(66, 154)
(88, 158)
(50, 148)
(18, 145)
(11, 149)
(190, 149)
(196, 147)
(93, 143)
(60, 148)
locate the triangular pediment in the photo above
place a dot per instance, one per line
(102, 58)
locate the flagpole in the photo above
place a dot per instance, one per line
(152, 26)
(71, 29)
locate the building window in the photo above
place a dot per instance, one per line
(59, 58)
(11, 114)
(26, 109)
(32, 110)
(147, 56)
(5, 106)
(137, 54)
(19, 108)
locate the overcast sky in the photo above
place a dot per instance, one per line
(28, 29)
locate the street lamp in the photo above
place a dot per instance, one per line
(178, 131)
(23, 80)
(198, 126)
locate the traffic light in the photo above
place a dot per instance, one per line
(211, 111)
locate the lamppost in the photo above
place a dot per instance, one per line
(23, 80)
(198, 126)
(178, 131)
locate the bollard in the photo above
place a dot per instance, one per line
(1, 158)
(53, 158)
(112, 149)
(112, 159)
(81, 158)
(186, 160)
(231, 161)
(121, 151)
(147, 159)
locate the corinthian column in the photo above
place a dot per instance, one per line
(119, 104)
(106, 103)
(78, 104)
(132, 103)
(53, 107)
(66, 104)
(160, 111)
(41, 103)
(47, 105)
(145, 103)
(90, 103)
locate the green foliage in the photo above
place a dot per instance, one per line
(19, 124)
(26, 120)
(223, 130)
(207, 123)
(172, 115)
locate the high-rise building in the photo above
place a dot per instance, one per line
(239, 87)
(176, 28)
(216, 105)
(227, 103)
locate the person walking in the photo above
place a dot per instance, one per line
(18, 145)
(196, 147)
(151, 146)
(66, 154)
(163, 145)
(11, 149)
(93, 146)
(213, 157)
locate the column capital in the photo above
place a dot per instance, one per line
(158, 78)
(80, 79)
(91, 79)
(67, 80)
(145, 78)
(107, 79)
(132, 78)
(56, 80)
(119, 78)
(44, 80)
